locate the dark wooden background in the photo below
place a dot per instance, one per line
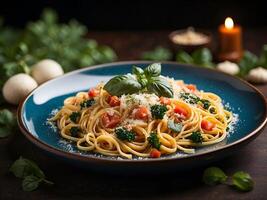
(76, 183)
(140, 15)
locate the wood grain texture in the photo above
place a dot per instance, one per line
(76, 183)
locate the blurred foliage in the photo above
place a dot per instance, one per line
(201, 57)
(158, 54)
(46, 38)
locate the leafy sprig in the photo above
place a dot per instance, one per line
(240, 180)
(31, 174)
(147, 80)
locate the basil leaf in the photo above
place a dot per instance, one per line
(242, 181)
(175, 127)
(138, 71)
(153, 70)
(30, 183)
(213, 176)
(122, 84)
(160, 87)
(184, 57)
(24, 167)
(140, 76)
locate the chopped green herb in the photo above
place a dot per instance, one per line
(154, 140)
(191, 98)
(196, 137)
(74, 131)
(158, 111)
(227, 129)
(213, 176)
(75, 116)
(212, 110)
(87, 103)
(124, 134)
(206, 103)
(242, 181)
(175, 127)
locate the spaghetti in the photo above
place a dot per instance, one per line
(143, 124)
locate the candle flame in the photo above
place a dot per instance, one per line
(229, 23)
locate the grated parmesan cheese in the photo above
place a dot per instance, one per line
(144, 99)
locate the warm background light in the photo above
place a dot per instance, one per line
(229, 23)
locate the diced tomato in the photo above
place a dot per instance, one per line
(180, 110)
(155, 153)
(141, 113)
(207, 125)
(114, 101)
(165, 101)
(110, 121)
(93, 92)
(191, 87)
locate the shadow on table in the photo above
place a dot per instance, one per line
(76, 182)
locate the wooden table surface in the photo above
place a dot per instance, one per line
(76, 183)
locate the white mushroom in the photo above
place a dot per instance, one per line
(257, 75)
(45, 70)
(17, 87)
(228, 67)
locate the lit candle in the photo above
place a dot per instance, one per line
(230, 36)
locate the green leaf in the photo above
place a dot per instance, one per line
(153, 70)
(158, 54)
(138, 71)
(160, 87)
(242, 181)
(140, 75)
(24, 167)
(213, 176)
(184, 57)
(175, 127)
(31, 183)
(248, 62)
(122, 84)
(8, 123)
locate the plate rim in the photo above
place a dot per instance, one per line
(68, 155)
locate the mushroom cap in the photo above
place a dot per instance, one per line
(257, 75)
(45, 70)
(228, 67)
(18, 87)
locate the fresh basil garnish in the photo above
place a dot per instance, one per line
(147, 80)
(122, 84)
(140, 75)
(160, 87)
(153, 70)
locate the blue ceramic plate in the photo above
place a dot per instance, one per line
(242, 98)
